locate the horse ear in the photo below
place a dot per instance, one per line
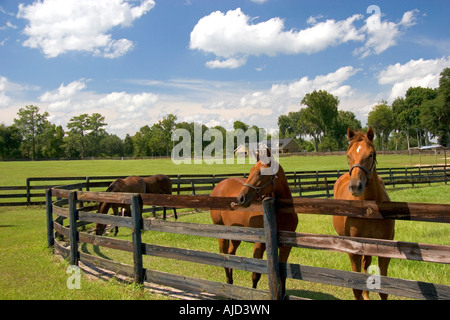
(256, 154)
(370, 134)
(350, 133)
(265, 156)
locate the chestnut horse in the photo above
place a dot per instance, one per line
(160, 184)
(255, 188)
(132, 184)
(362, 183)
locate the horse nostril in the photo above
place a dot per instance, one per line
(241, 199)
(356, 188)
(360, 187)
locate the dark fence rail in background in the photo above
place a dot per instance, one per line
(308, 184)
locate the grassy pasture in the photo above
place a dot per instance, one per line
(16, 173)
(29, 271)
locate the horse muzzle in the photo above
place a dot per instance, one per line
(356, 187)
(244, 199)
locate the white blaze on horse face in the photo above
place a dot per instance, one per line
(357, 150)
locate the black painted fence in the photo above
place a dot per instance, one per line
(308, 184)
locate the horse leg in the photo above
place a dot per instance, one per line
(164, 213)
(367, 260)
(355, 261)
(258, 252)
(234, 244)
(383, 263)
(223, 248)
(175, 213)
(116, 213)
(283, 257)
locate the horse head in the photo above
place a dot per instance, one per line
(361, 158)
(261, 180)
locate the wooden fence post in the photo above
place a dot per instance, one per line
(87, 183)
(28, 192)
(49, 210)
(73, 234)
(326, 186)
(273, 266)
(137, 241)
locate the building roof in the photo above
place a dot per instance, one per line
(432, 147)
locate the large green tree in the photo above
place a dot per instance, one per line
(381, 119)
(435, 113)
(10, 140)
(408, 112)
(31, 124)
(85, 132)
(52, 146)
(344, 120)
(318, 118)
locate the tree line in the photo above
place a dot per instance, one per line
(33, 136)
(413, 120)
(423, 114)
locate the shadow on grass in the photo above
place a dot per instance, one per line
(314, 295)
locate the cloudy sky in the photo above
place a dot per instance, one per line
(213, 62)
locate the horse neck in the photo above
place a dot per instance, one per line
(104, 207)
(282, 190)
(374, 187)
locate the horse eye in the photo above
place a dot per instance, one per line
(371, 155)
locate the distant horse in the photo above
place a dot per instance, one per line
(132, 184)
(362, 183)
(160, 184)
(246, 191)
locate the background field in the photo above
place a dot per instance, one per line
(15, 173)
(29, 271)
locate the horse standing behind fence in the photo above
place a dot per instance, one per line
(160, 184)
(132, 184)
(362, 183)
(246, 191)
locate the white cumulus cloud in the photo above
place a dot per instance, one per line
(414, 73)
(57, 27)
(382, 35)
(232, 36)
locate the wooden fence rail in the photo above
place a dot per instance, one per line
(272, 237)
(307, 184)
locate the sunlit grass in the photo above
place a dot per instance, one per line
(29, 270)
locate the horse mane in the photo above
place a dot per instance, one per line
(360, 136)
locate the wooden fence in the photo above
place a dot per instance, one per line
(309, 184)
(66, 207)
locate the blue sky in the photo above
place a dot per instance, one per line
(213, 62)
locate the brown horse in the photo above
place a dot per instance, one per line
(255, 188)
(362, 183)
(160, 184)
(132, 184)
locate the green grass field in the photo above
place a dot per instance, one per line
(29, 271)
(16, 173)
